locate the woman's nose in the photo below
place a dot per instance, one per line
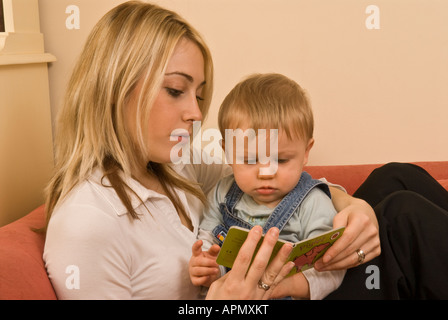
(193, 112)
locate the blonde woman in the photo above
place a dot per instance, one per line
(121, 218)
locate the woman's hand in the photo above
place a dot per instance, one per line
(361, 233)
(246, 280)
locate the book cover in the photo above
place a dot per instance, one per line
(304, 253)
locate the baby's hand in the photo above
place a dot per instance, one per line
(203, 267)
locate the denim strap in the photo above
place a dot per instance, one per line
(278, 218)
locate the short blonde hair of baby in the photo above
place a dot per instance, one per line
(268, 101)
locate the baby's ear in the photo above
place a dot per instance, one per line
(307, 151)
(310, 145)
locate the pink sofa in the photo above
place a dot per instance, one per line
(22, 271)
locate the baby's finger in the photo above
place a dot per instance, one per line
(214, 250)
(196, 250)
(204, 271)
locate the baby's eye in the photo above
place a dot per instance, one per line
(246, 160)
(174, 92)
(282, 160)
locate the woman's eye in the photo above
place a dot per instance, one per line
(177, 93)
(174, 92)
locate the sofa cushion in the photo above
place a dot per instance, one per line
(352, 176)
(444, 183)
(22, 271)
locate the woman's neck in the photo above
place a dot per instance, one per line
(151, 181)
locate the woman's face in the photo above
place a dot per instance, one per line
(176, 106)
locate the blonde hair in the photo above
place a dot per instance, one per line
(268, 101)
(134, 41)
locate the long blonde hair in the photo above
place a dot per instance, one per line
(133, 41)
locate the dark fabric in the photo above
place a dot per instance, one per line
(412, 212)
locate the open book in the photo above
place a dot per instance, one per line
(304, 253)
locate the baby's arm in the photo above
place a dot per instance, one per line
(316, 216)
(310, 284)
(203, 267)
(294, 286)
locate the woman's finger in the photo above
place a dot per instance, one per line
(247, 250)
(340, 220)
(278, 268)
(348, 257)
(261, 260)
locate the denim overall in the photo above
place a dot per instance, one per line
(278, 218)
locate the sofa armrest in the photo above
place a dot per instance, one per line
(22, 270)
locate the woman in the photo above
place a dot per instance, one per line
(119, 212)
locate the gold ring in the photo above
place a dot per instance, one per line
(263, 285)
(361, 255)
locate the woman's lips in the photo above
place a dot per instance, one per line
(179, 138)
(180, 135)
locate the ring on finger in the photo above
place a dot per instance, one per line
(361, 255)
(263, 285)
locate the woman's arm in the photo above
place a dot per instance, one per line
(361, 233)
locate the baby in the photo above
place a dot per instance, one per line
(267, 125)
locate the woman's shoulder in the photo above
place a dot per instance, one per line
(90, 203)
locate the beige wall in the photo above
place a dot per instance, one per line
(26, 158)
(378, 95)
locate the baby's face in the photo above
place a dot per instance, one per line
(277, 178)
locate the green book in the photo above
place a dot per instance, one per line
(304, 253)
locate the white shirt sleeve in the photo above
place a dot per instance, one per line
(323, 283)
(333, 185)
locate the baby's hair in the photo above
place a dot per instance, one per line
(268, 101)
